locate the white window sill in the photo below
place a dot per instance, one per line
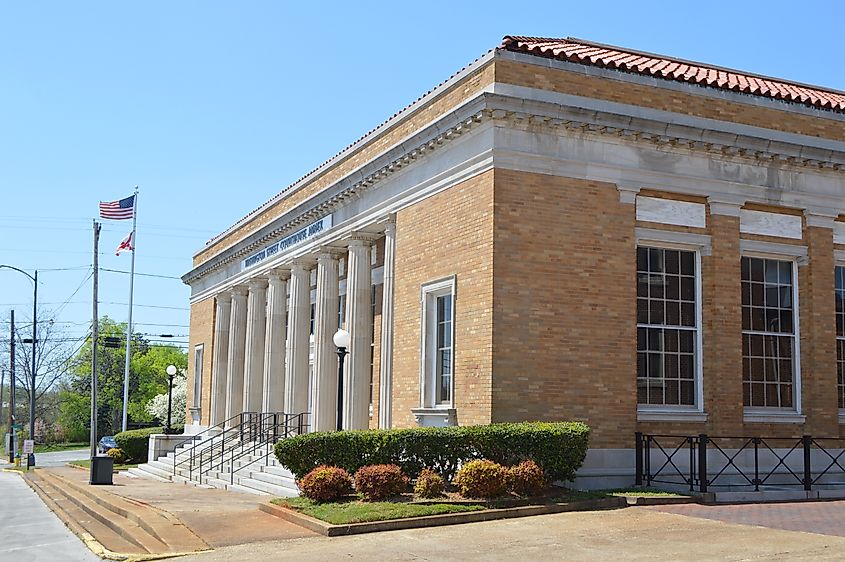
(842, 416)
(690, 416)
(772, 416)
(435, 417)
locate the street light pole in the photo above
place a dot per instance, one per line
(12, 392)
(171, 372)
(341, 340)
(34, 279)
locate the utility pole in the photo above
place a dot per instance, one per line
(12, 392)
(2, 390)
(95, 329)
(30, 462)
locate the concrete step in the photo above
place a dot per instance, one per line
(79, 521)
(146, 471)
(279, 470)
(276, 480)
(268, 487)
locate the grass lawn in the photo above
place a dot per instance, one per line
(60, 447)
(86, 463)
(342, 513)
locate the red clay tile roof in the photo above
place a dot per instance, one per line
(595, 54)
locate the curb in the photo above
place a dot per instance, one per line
(330, 530)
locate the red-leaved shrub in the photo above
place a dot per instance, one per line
(325, 484)
(481, 479)
(380, 481)
(429, 484)
(526, 479)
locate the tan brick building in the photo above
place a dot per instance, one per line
(560, 231)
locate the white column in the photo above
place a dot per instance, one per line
(386, 348)
(237, 341)
(324, 415)
(299, 328)
(356, 396)
(256, 325)
(217, 412)
(274, 346)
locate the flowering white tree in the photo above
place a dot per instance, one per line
(157, 407)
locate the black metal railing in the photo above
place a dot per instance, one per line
(703, 462)
(247, 433)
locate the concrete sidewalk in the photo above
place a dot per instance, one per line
(32, 532)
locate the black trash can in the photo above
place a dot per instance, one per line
(101, 470)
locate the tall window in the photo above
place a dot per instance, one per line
(840, 333)
(768, 333)
(667, 327)
(197, 399)
(438, 352)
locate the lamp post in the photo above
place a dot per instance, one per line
(341, 340)
(31, 458)
(171, 372)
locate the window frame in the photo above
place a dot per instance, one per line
(796, 256)
(839, 262)
(698, 244)
(196, 399)
(429, 292)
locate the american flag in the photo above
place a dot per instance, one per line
(118, 210)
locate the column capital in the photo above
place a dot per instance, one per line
(239, 291)
(823, 218)
(725, 205)
(278, 274)
(363, 238)
(301, 264)
(223, 297)
(257, 283)
(330, 253)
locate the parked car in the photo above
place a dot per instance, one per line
(107, 442)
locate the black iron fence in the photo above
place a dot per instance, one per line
(704, 462)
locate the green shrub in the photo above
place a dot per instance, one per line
(380, 481)
(117, 454)
(325, 484)
(136, 442)
(558, 447)
(481, 479)
(429, 484)
(526, 479)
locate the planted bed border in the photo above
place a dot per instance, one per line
(330, 530)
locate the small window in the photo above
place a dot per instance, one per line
(197, 399)
(438, 344)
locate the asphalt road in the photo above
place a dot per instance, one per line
(60, 458)
(31, 532)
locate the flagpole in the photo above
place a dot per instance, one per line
(133, 240)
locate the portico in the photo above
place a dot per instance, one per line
(274, 327)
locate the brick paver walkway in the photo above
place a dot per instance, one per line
(826, 518)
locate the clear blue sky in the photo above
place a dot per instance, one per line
(213, 107)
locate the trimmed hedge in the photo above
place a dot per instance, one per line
(558, 447)
(136, 442)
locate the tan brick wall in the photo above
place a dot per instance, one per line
(465, 89)
(450, 233)
(512, 72)
(201, 332)
(565, 304)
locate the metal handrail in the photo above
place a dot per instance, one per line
(252, 431)
(198, 436)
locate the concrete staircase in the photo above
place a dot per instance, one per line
(114, 527)
(256, 472)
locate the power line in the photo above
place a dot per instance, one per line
(141, 274)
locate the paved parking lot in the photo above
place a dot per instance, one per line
(827, 517)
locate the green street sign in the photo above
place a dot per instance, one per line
(17, 426)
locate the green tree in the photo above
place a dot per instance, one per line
(147, 378)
